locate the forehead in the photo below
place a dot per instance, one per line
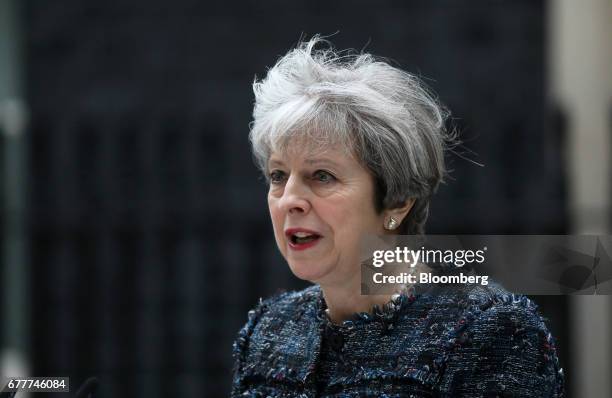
(312, 154)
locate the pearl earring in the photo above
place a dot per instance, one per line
(391, 224)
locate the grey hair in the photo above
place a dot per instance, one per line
(385, 116)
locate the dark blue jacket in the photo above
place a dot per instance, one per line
(468, 341)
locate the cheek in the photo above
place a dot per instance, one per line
(277, 221)
(274, 214)
(345, 217)
(355, 217)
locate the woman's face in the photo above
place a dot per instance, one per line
(320, 206)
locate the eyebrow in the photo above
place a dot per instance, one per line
(321, 160)
(275, 162)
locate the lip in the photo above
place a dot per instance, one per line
(301, 246)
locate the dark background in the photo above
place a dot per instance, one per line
(147, 223)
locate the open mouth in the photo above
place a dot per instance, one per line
(301, 238)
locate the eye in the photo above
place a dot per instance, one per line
(323, 176)
(276, 176)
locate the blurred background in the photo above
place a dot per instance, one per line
(134, 227)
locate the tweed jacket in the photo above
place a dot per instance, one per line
(464, 341)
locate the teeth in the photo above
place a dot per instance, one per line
(302, 234)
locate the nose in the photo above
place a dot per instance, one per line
(295, 197)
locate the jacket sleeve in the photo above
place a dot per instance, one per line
(505, 351)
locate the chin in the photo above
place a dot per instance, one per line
(307, 270)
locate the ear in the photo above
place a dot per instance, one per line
(399, 213)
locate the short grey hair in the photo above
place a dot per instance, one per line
(385, 116)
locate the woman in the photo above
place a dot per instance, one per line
(351, 146)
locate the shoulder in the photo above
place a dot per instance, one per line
(468, 303)
(498, 342)
(284, 305)
(281, 306)
(274, 328)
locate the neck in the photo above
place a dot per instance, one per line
(345, 300)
